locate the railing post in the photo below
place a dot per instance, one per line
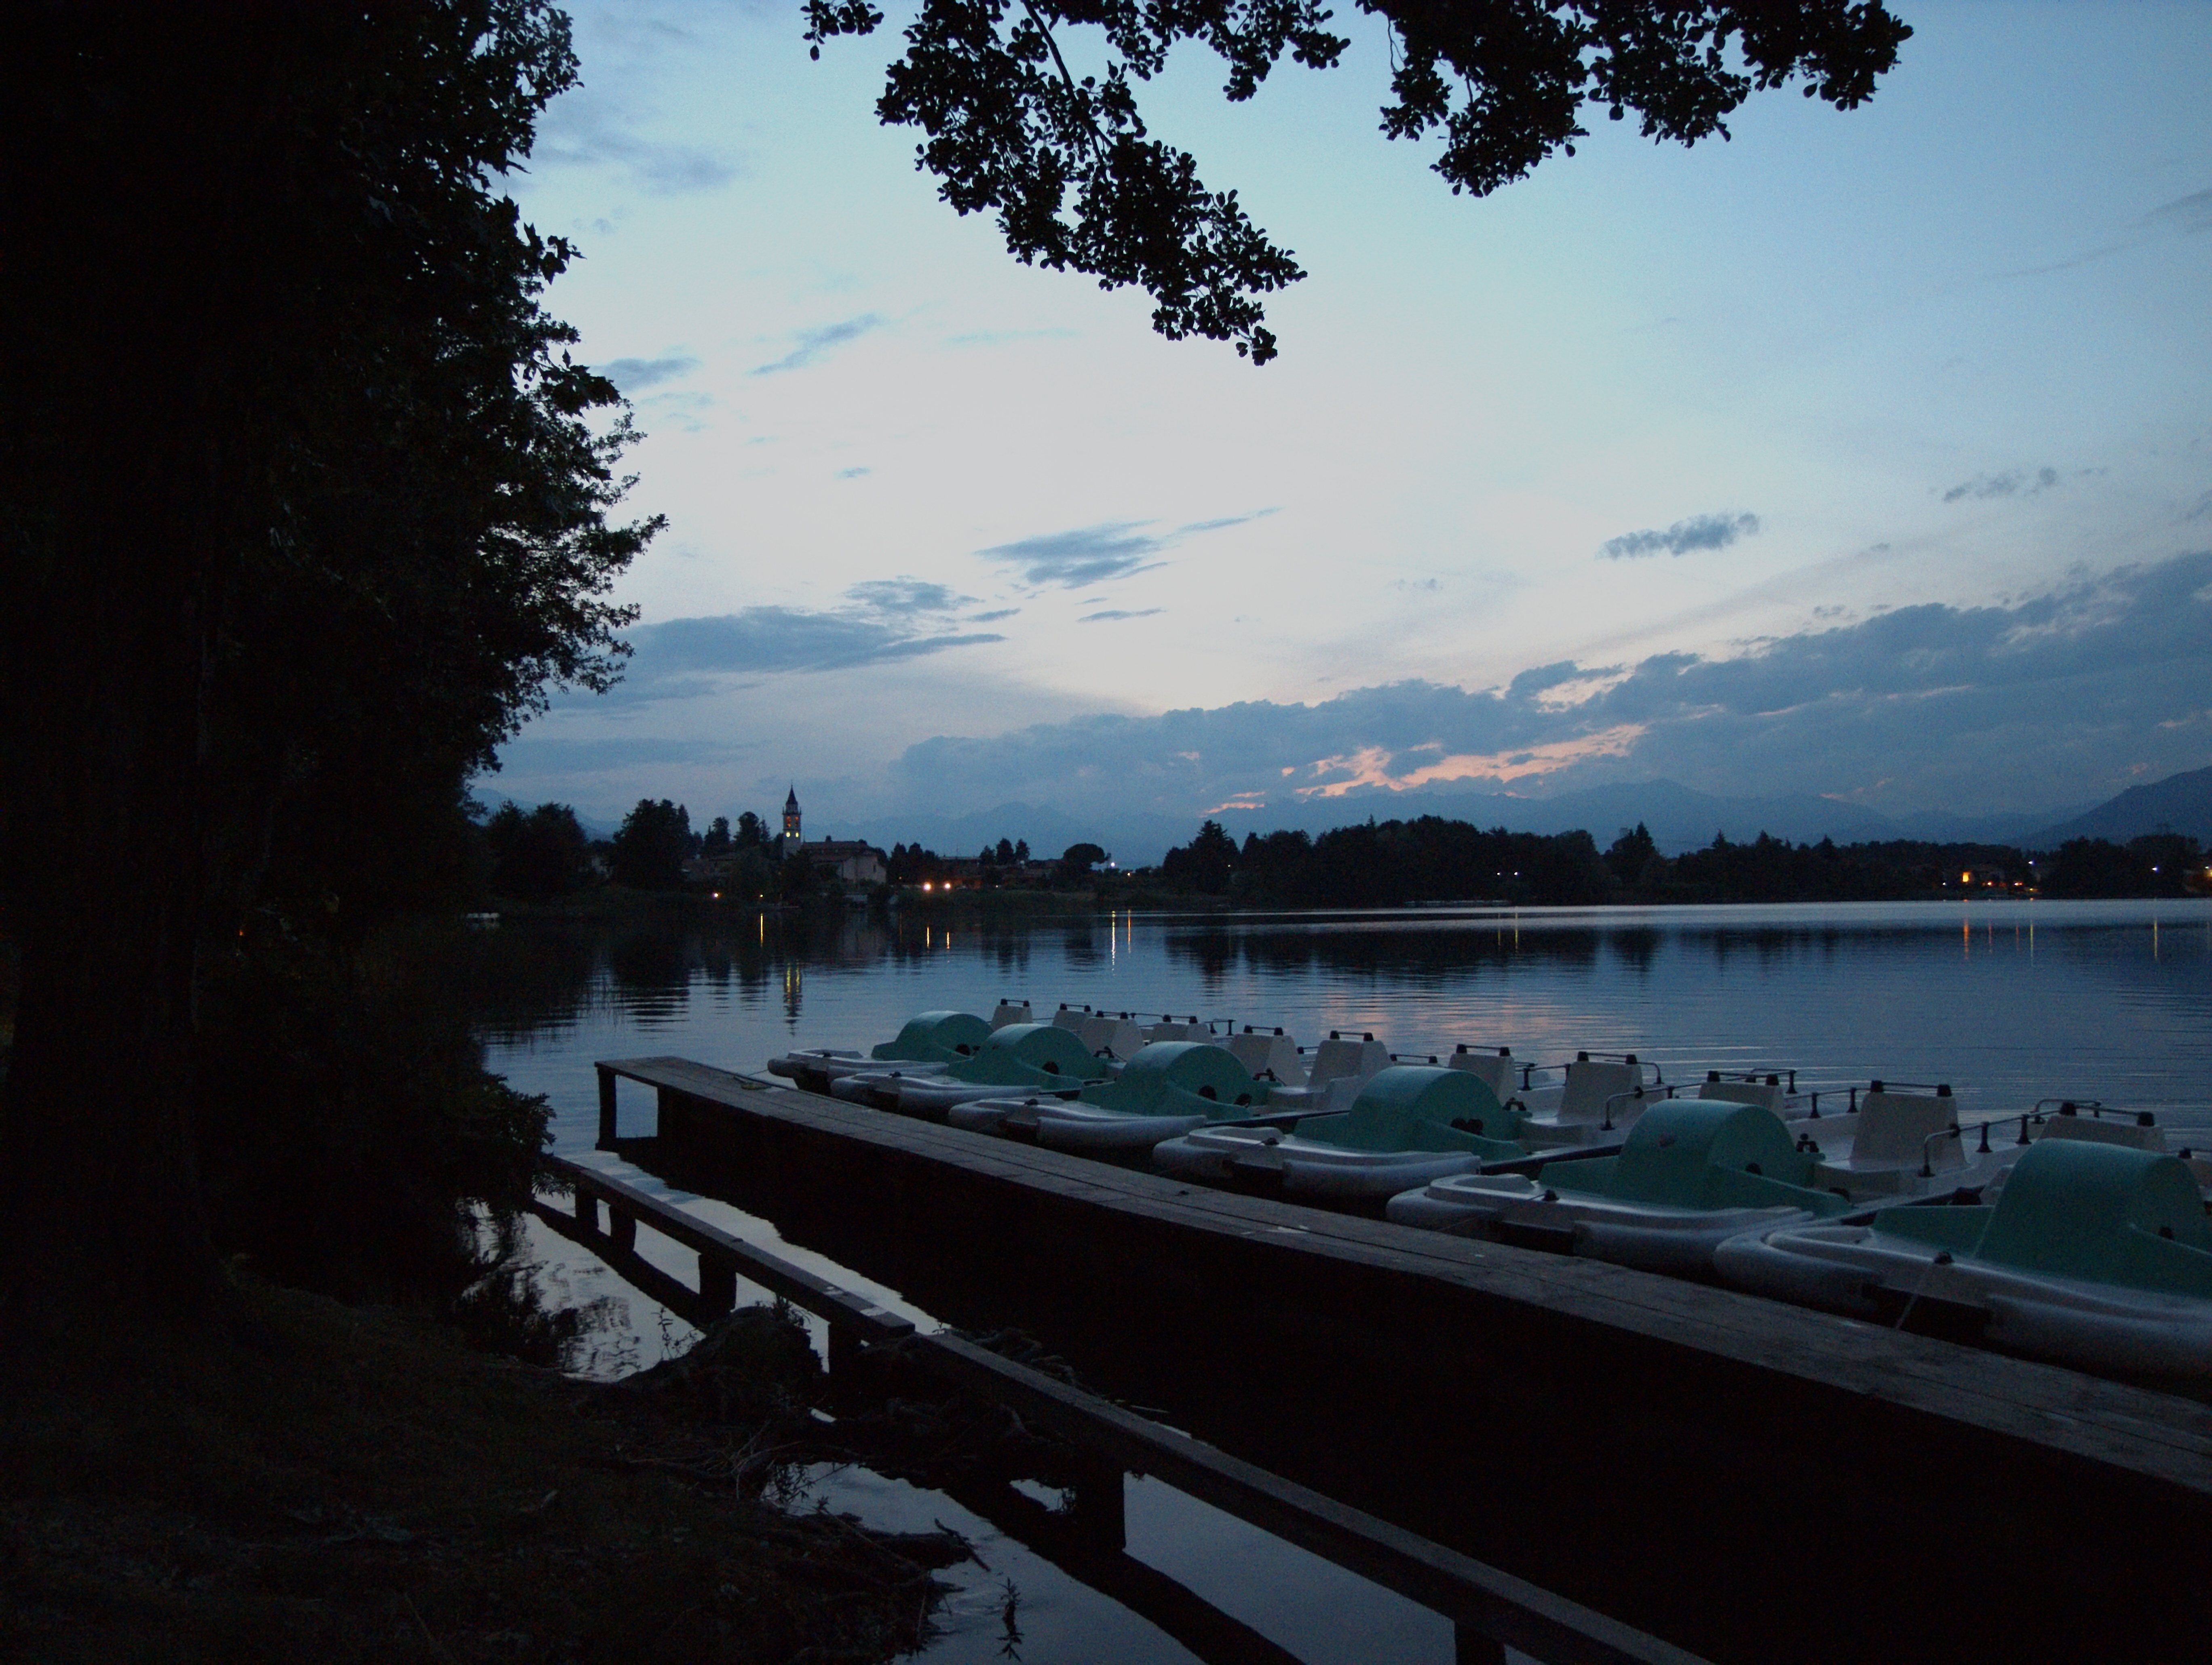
(1097, 1515)
(588, 1207)
(621, 1226)
(717, 1287)
(844, 1346)
(1471, 1647)
(606, 1108)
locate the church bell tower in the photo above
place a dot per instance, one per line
(791, 839)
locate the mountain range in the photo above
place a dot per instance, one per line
(1680, 819)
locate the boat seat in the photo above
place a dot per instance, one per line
(1495, 1070)
(1774, 1098)
(1593, 1085)
(2117, 1129)
(1009, 1012)
(1898, 1129)
(1168, 1029)
(1338, 1060)
(1112, 1036)
(1272, 1054)
(1071, 1018)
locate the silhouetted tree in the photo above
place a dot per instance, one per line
(716, 839)
(651, 844)
(537, 856)
(751, 830)
(303, 507)
(1203, 864)
(1009, 130)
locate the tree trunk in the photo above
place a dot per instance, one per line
(105, 1207)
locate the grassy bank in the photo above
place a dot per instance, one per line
(309, 1480)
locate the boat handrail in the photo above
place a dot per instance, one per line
(2026, 1118)
(1664, 1092)
(1758, 1077)
(1529, 1070)
(1414, 1057)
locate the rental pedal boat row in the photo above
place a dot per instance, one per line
(2067, 1230)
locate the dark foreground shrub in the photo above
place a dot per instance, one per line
(351, 1139)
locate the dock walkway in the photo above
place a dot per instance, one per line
(1751, 1480)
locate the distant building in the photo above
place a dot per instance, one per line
(791, 838)
(849, 861)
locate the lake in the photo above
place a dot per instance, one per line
(2008, 1001)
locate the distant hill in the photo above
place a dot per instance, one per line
(1680, 819)
(2179, 803)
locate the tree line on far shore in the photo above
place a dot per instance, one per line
(545, 852)
(1394, 862)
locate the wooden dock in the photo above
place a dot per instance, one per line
(1488, 1608)
(1750, 1480)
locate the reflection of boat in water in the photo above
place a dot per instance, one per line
(1407, 1124)
(1690, 1174)
(2090, 1252)
(1167, 1088)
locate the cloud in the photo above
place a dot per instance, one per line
(1095, 554)
(685, 658)
(2048, 700)
(582, 136)
(1196, 526)
(2189, 213)
(814, 343)
(992, 616)
(636, 375)
(854, 474)
(1701, 532)
(1001, 337)
(2013, 482)
(1119, 613)
(1090, 554)
(907, 596)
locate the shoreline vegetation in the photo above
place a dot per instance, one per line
(303, 1478)
(541, 862)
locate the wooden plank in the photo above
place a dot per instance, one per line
(2156, 1434)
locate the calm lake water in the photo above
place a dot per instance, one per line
(2009, 1002)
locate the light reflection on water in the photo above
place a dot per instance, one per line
(2009, 1002)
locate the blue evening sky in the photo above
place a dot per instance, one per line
(1867, 455)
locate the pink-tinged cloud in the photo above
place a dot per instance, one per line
(1370, 766)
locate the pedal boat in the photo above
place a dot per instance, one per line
(929, 1039)
(1410, 1124)
(1691, 1174)
(2092, 1253)
(1168, 1088)
(1022, 1056)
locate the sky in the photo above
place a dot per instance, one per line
(1866, 455)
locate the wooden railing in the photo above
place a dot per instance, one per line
(1490, 1610)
